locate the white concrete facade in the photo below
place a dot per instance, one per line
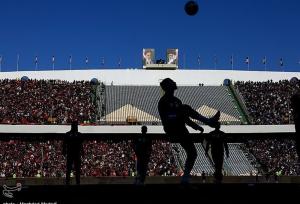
(153, 77)
(137, 129)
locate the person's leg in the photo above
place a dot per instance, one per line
(143, 158)
(139, 161)
(142, 169)
(145, 161)
(190, 112)
(69, 168)
(191, 153)
(77, 164)
(218, 162)
(138, 168)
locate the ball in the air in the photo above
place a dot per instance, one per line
(191, 8)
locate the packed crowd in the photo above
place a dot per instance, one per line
(268, 102)
(45, 102)
(276, 156)
(45, 159)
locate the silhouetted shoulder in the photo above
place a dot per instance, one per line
(169, 101)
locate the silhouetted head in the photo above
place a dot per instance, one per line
(168, 85)
(74, 126)
(144, 129)
(217, 128)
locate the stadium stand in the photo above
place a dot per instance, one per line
(268, 102)
(19, 159)
(238, 164)
(275, 156)
(50, 100)
(202, 162)
(44, 159)
(141, 102)
(45, 102)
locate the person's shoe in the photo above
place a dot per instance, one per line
(185, 179)
(214, 121)
(216, 117)
(138, 182)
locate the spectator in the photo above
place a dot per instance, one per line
(268, 102)
(45, 102)
(27, 159)
(275, 155)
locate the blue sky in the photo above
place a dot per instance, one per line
(122, 28)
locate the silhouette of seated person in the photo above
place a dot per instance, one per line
(73, 150)
(175, 116)
(295, 102)
(217, 142)
(142, 149)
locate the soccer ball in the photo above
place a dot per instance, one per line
(191, 8)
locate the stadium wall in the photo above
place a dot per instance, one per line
(232, 129)
(153, 77)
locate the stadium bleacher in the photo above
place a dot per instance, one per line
(269, 102)
(202, 162)
(238, 164)
(114, 104)
(46, 102)
(141, 102)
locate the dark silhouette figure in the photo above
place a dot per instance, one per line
(203, 175)
(175, 116)
(217, 142)
(276, 177)
(142, 148)
(73, 149)
(257, 177)
(268, 175)
(295, 102)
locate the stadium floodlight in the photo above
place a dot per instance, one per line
(18, 60)
(53, 62)
(1, 58)
(231, 61)
(102, 61)
(70, 61)
(215, 61)
(247, 61)
(86, 60)
(36, 62)
(264, 61)
(120, 61)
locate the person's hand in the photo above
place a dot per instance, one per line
(227, 155)
(206, 154)
(214, 121)
(201, 129)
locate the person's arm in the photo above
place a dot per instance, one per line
(212, 122)
(81, 146)
(207, 147)
(194, 125)
(226, 148)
